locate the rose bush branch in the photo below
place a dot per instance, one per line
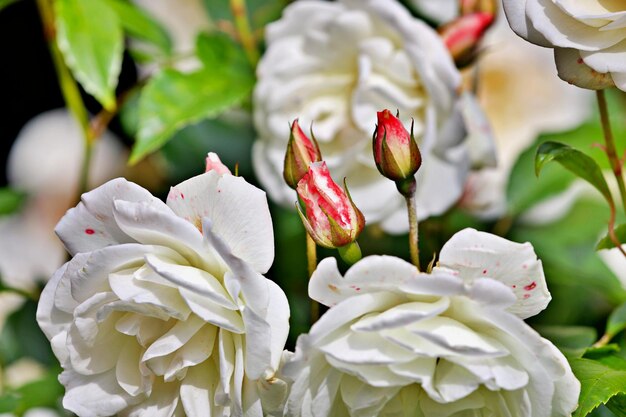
(611, 152)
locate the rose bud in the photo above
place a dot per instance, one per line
(463, 35)
(396, 153)
(213, 163)
(331, 217)
(301, 151)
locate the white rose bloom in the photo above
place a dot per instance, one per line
(163, 310)
(396, 342)
(512, 71)
(335, 64)
(589, 37)
(45, 163)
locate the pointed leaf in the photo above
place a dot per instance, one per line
(90, 36)
(138, 24)
(574, 161)
(173, 100)
(607, 243)
(599, 383)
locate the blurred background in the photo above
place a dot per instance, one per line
(515, 83)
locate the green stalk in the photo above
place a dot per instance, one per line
(611, 152)
(69, 89)
(240, 14)
(311, 255)
(413, 231)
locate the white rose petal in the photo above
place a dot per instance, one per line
(399, 342)
(595, 29)
(163, 309)
(335, 65)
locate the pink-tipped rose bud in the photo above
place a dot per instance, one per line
(301, 152)
(463, 35)
(213, 163)
(396, 154)
(331, 218)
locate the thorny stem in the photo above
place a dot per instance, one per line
(413, 231)
(69, 89)
(311, 255)
(240, 15)
(616, 164)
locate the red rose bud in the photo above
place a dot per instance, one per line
(463, 35)
(301, 151)
(396, 154)
(331, 217)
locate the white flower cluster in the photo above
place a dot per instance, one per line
(335, 64)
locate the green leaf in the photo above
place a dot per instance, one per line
(41, 393)
(574, 161)
(573, 338)
(617, 405)
(137, 23)
(5, 3)
(9, 402)
(173, 100)
(90, 36)
(599, 383)
(617, 321)
(10, 200)
(607, 243)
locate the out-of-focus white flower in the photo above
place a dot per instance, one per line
(589, 38)
(399, 342)
(184, 20)
(336, 64)
(511, 72)
(163, 309)
(35, 412)
(22, 372)
(440, 11)
(45, 162)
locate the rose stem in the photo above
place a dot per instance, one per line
(69, 89)
(611, 153)
(311, 254)
(240, 14)
(413, 231)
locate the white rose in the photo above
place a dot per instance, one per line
(337, 64)
(589, 37)
(452, 343)
(45, 163)
(163, 311)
